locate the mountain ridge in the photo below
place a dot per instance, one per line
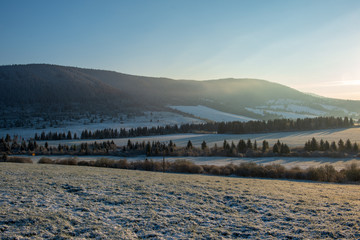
(55, 84)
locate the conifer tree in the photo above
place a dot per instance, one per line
(249, 144)
(241, 146)
(189, 145)
(203, 145)
(341, 145)
(265, 146)
(276, 148)
(348, 145)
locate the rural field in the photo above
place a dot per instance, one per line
(69, 202)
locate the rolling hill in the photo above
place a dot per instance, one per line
(43, 84)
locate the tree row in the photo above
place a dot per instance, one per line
(277, 125)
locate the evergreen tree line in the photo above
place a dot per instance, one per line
(246, 148)
(242, 148)
(340, 146)
(55, 136)
(277, 125)
(11, 146)
(281, 125)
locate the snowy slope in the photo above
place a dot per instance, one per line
(281, 114)
(211, 114)
(290, 108)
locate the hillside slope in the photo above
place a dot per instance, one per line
(260, 99)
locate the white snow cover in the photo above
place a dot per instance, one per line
(297, 109)
(289, 115)
(211, 114)
(287, 108)
(330, 107)
(257, 111)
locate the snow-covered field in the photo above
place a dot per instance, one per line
(211, 114)
(149, 119)
(73, 202)
(293, 109)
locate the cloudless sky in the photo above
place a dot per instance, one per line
(310, 45)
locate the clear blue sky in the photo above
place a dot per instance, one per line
(311, 45)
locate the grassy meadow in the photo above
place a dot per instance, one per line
(69, 202)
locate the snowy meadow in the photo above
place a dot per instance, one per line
(67, 202)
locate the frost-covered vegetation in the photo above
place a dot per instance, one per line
(67, 202)
(326, 173)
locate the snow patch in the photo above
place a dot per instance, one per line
(282, 114)
(211, 114)
(256, 111)
(290, 115)
(287, 108)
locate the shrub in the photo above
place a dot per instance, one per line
(196, 169)
(331, 175)
(67, 161)
(3, 158)
(250, 169)
(228, 169)
(158, 166)
(215, 170)
(313, 174)
(182, 166)
(122, 163)
(148, 165)
(352, 173)
(275, 171)
(295, 173)
(104, 162)
(19, 160)
(325, 173)
(84, 163)
(45, 160)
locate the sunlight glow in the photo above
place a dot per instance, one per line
(347, 83)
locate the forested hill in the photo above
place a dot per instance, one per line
(52, 84)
